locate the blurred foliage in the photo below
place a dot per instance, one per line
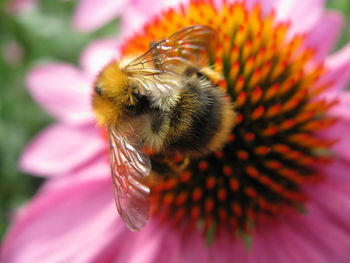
(38, 35)
(342, 6)
(42, 34)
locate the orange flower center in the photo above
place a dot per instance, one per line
(273, 149)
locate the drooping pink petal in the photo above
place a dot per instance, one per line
(71, 224)
(98, 53)
(60, 149)
(338, 65)
(91, 14)
(325, 33)
(63, 91)
(303, 15)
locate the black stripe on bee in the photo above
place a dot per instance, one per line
(140, 107)
(197, 116)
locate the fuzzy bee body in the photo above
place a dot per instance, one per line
(194, 121)
(164, 101)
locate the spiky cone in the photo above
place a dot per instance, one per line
(275, 87)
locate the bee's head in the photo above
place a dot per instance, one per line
(112, 94)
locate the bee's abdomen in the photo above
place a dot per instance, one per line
(201, 121)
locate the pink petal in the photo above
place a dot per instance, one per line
(99, 168)
(230, 249)
(270, 245)
(98, 53)
(77, 223)
(325, 33)
(193, 248)
(303, 14)
(335, 193)
(266, 5)
(63, 91)
(133, 21)
(339, 68)
(135, 16)
(156, 243)
(334, 200)
(92, 14)
(340, 131)
(337, 171)
(259, 253)
(334, 246)
(60, 149)
(342, 108)
(299, 248)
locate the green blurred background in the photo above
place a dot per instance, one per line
(25, 42)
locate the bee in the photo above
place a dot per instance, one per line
(166, 101)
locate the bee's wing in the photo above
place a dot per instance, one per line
(130, 171)
(162, 67)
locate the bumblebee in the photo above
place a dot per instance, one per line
(165, 101)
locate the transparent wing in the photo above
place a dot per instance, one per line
(162, 67)
(130, 173)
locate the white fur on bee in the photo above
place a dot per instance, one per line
(166, 103)
(152, 139)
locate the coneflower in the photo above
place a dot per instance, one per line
(279, 190)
